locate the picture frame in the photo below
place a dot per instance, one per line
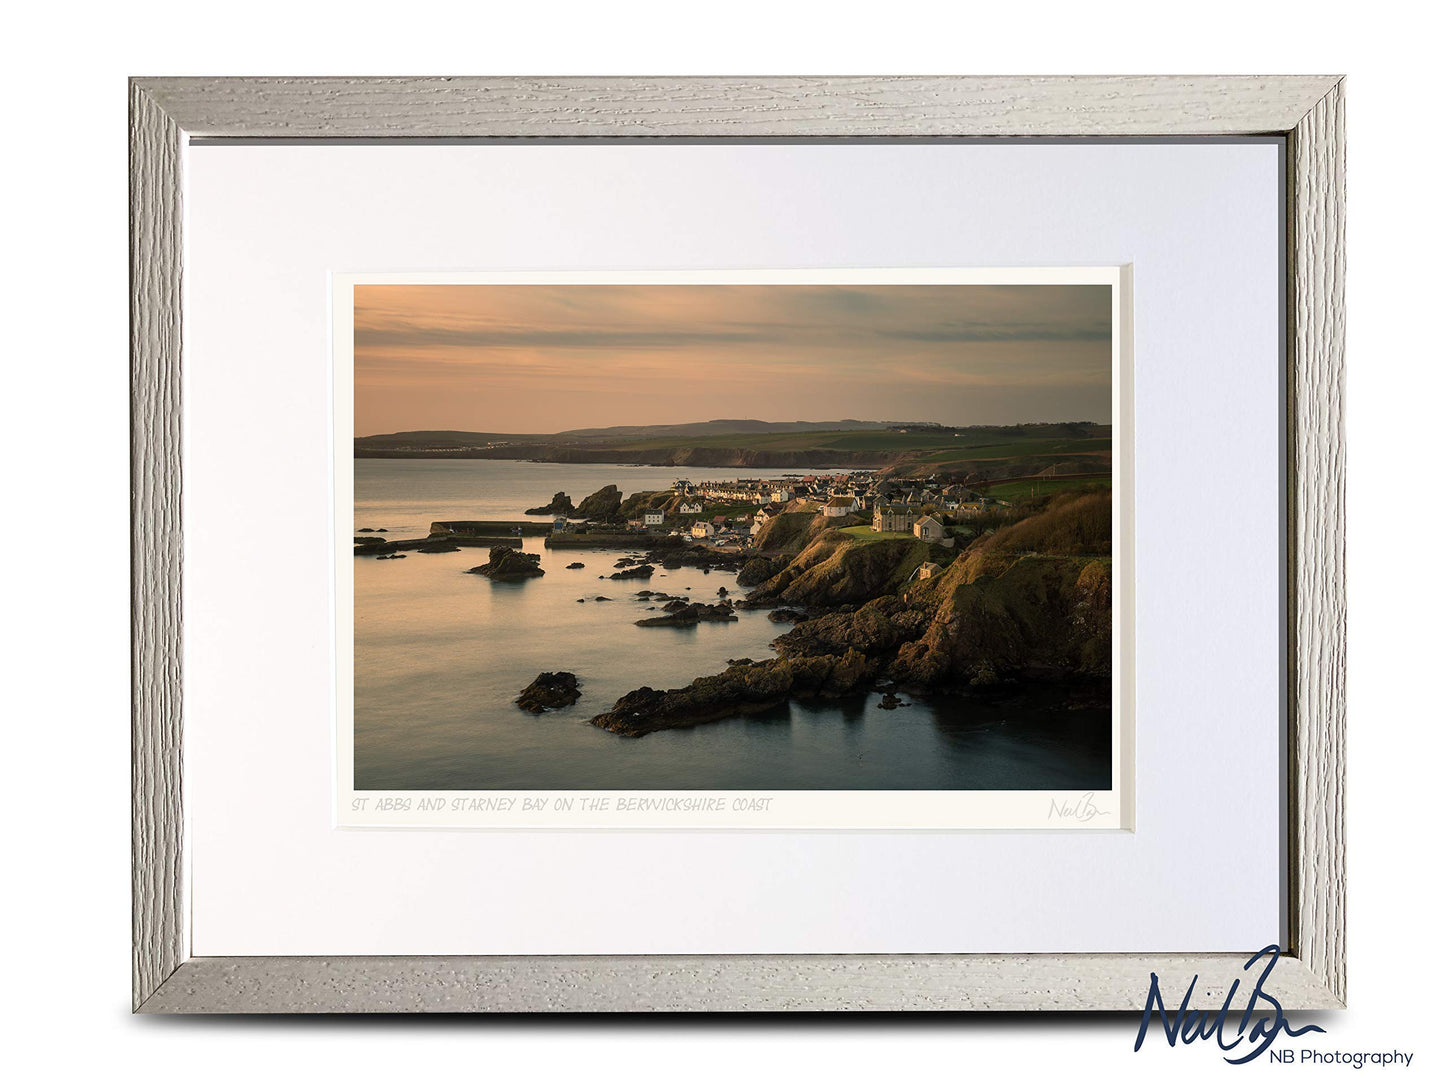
(1308, 110)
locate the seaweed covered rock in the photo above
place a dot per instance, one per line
(506, 563)
(549, 692)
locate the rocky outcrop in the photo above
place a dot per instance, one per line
(604, 504)
(1001, 611)
(549, 692)
(745, 686)
(576, 564)
(559, 505)
(993, 616)
(681, 614)
(509, 564)
(835, 569)
(757, 570)
(648, 500)
(789, 532)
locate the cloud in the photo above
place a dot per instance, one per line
(544, 358)
(980, 332)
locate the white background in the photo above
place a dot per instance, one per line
(272, 878)
(66, 660)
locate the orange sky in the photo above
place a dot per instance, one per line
(540, 359)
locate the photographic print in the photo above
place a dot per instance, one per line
(754, 547)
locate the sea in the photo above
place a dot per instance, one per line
(440, 657)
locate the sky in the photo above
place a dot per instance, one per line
(542, 359)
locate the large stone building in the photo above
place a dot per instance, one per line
(893, 517)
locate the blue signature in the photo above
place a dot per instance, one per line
(1190, 1024)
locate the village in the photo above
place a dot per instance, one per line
(725, 516)
(729, 515)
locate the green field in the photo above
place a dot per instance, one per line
(1074, 446)
(1037, 487)
(868, 534)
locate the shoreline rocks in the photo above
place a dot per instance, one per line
(786, 616)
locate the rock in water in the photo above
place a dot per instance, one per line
(560, 505)
(604, 504)
(576, 564)
(549, 692)
(744, 687)
(690, 614)
(507, 563)
(638, 572)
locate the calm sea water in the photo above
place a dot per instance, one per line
(441, 655)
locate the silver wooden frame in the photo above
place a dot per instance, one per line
(166, 113)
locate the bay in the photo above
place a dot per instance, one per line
(440, 656)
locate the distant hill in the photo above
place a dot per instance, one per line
(980, 453)
(718, 426)
(444, 438)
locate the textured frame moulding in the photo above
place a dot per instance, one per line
(166, 113)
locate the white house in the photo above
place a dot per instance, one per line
(652, 518)
(702, 529)
(929, 529)
(838, 507)
(782, 494)
(928, 570)
(691, 509)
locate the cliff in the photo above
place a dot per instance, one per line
(836, 568)
(1032, 600)
(789, 532)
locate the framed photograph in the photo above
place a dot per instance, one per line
(744, 545)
